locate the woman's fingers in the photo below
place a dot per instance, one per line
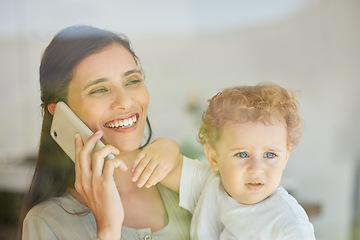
(110, 166)
(85, 152)
(78, 146)
(98, 158)
(83, 158)
(88, 166)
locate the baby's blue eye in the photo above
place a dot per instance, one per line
(270, 155)
(242, 154)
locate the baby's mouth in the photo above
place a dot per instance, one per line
(254, 185)
(122, 123)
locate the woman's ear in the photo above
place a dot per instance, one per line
(210, 154)
(51, 108)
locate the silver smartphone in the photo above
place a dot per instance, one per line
(65, 125)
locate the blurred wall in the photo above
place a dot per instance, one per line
(197, 48)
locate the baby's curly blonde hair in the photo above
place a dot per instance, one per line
(264, 102)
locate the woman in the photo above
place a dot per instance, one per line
(99, 76)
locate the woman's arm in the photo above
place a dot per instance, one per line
(95, 183)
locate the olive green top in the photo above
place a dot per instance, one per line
(66, 218)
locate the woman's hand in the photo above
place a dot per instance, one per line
(155, 161)
(95, 183)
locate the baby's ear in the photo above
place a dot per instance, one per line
(287, 157)
(210, 154)
(51, 108)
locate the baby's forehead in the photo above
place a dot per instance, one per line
(230, 127)
(256, 132)
(236, 123)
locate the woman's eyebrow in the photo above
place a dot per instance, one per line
(138, 71)
(92, 83)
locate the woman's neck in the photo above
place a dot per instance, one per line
(123, 178)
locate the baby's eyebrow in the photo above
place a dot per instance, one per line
(273, 150)
(237, 149)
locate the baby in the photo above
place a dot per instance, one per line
(247, 133)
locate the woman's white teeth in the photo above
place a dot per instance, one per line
(126, 123)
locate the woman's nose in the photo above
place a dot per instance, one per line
(122, 100)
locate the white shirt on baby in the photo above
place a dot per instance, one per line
(218, 216)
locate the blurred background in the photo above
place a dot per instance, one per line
(190, 50)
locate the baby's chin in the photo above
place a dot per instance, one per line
(251, 199)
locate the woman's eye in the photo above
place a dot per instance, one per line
(132, 82)
(242, 154)
(98, 90)
(270, 155)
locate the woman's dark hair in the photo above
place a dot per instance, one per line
(55, 172)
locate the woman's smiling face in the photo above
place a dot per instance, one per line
(108, 93)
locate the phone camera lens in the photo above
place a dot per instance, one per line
(55, 134)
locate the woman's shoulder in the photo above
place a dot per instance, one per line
(56, 207)
(59, 217)
(44, 208)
